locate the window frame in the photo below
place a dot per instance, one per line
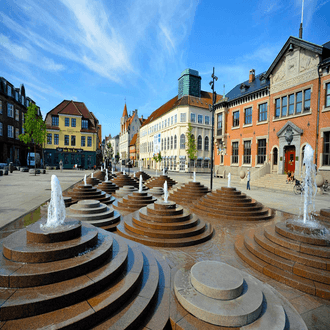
(326, 144)
(66, 140)
(262, 115)
(73, 139)
(73, 122)
(207, 120)
(291, 105)
(183, 117)
(198, 119)
(247, 152)
(17, 114)
(248, 116)
(49, 138)
(193, 117)
(308, 100)
(84, 123)
(206, 143)
(89, 141)
(261, 155)
(327, 95)
(67, 122)
(182, 141)
(55, 121)
(234, 152)
(1, 128)
(175, 141)
(56, 139)
(10, 129)
(199, 142)
(10, 110)
(235, 120)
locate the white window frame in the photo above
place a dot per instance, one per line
(10, 113)
(208, 117)
(16, 133)
(183, 118)
(193, 117)
(10, 131)
(1, 129)
(17, 114)
(198, 117)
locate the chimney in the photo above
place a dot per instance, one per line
(251, 76)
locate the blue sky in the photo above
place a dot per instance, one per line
(103, 52)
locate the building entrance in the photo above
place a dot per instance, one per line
(289, 159)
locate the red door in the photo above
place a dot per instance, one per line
(290, 155)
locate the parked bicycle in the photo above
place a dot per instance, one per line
(298, 188)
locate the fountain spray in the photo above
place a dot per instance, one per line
(165, 192)
(140, 184)
(85, 178)
(229, 177)
(194, 180)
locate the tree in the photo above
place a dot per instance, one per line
(108, 151)
(157, 157)
(34, 128)
(191, 147)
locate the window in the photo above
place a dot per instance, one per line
(235, 118)
(89, 141)
(23, 121)
(247, 152)
(219, 131)
(277, 108)
(73, 122)
(199, 143)
(0, 107)
(16, 96)
(17, 114)
(261, 151)
(182, 141)
(299, 102)
(16, 133)
(10, 110)
(207, 120)
(56, 139)
(54, 121)
(248, 116)
(66, 140)
(73, 140)
(49, 138)
(23, 101)
(84, 123)
(174, 141)
(9, 91)
(234, 153)
(168, 143)
(175, 119)
(171, 142)
(162, 145)
(263, 112)
(83, 141)
(168, 122)
(307, 100)
(1, 129)
(291, 104)
(199, 163)
(327, 95)
(182, 117)
(206, 143)
(10, 131)
(193, 118)
(326, 149)
(284, 105)
(200, 119)
(67, 122)
(206, 163)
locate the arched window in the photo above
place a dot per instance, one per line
(275, 156)
(174, 141)
(206, 143)
(162, 144)
(168, 143)
(199, 143)
(171, 142)
(182, 141)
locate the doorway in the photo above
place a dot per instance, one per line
(289, 159)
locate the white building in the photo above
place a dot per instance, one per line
(129, 126)
(114, 141)
(165, 129)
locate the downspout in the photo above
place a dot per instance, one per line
(318, 116)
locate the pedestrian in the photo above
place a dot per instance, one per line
(248, 177)
(61, 165)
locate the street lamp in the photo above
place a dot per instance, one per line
(211, 108)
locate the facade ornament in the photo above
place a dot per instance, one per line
(289, 135)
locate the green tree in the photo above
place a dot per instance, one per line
(108, 151)
(157, 157)
(191, 147)
(34, 128)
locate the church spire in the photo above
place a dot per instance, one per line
(125, 111)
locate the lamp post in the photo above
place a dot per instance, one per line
(211, 108)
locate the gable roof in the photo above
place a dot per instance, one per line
(200, 102)
(295, 42)
(246, 87)
(69, 109)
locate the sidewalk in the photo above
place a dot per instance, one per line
(21, 193)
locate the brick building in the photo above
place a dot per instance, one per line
(265, 122)
(13, 107)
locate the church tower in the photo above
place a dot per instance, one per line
(189, 83)
(123, 119)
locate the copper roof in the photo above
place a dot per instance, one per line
(200, 102)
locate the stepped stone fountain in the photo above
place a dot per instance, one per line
(145, 176)
(230, 204)
(124, 180)
(156, 191)
(107, 186)
(296, 251)
(165, 224)
(213, 295)
(95, 213)
(124, 191)
(100, 175)
(92, 181)
(62, 273)
(87, 191)
(159, 182)
(187, 193)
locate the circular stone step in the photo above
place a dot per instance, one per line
(225, 282)
(240, 311)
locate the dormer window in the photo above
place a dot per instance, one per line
(244, 87)
(84, 123)
(9, 90)
(262, 79)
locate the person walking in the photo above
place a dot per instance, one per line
(61, 165)
(248, 177)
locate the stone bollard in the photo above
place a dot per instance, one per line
(11, 167)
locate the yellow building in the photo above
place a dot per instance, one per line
(72, 136)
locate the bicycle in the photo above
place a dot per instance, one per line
(325, 186)
(298, 188)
